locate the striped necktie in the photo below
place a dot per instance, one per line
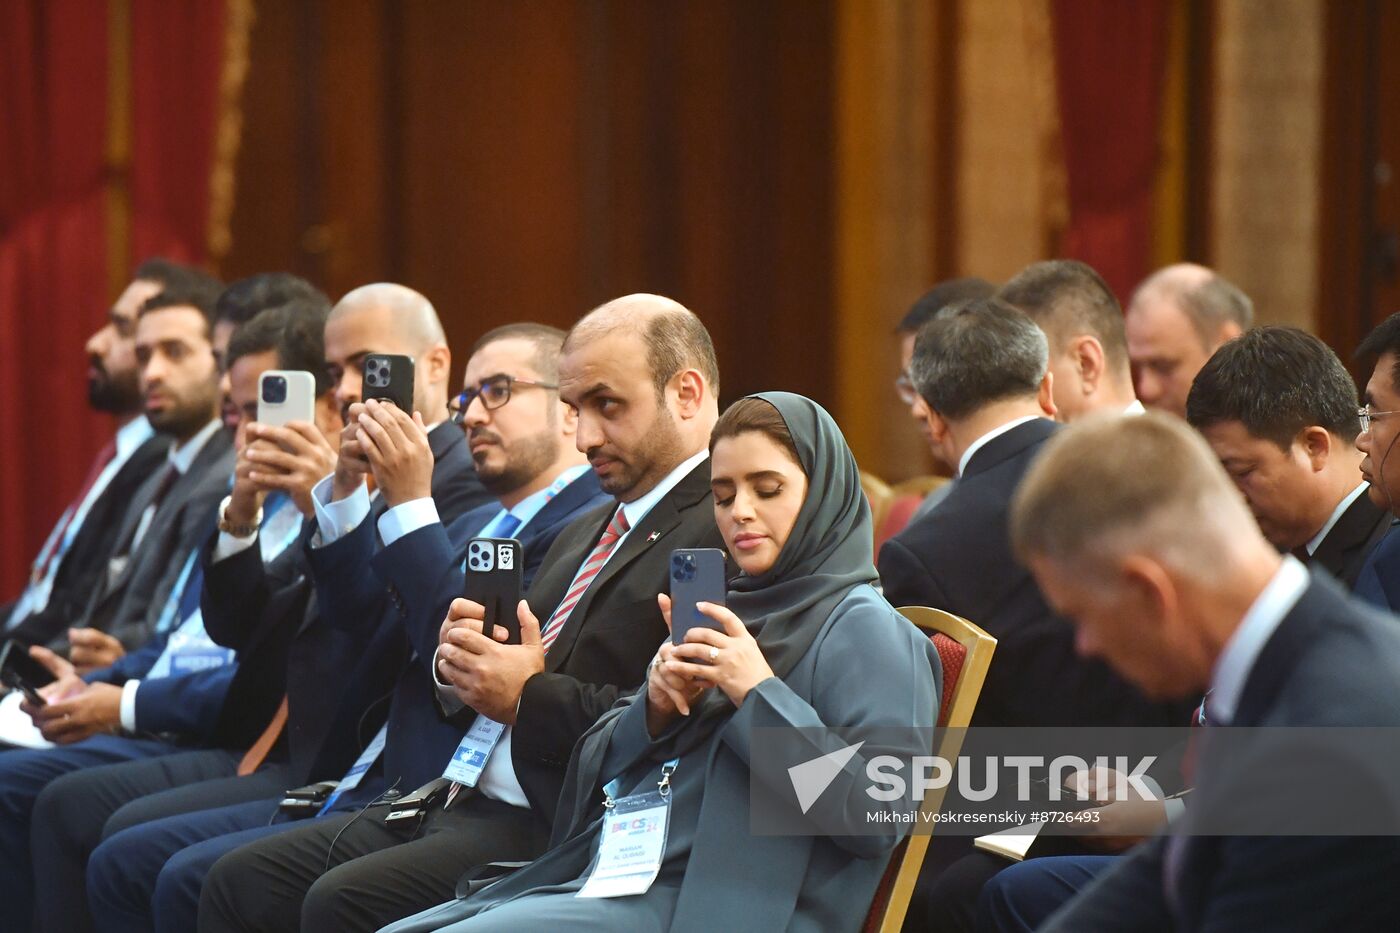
(601, 551)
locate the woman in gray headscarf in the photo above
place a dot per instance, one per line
(806, 643)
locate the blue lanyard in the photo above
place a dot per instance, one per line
(663, 786)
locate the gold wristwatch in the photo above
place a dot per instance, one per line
(238, 531)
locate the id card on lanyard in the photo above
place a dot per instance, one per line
(633, 839)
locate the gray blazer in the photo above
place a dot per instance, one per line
(129, 606)
(869, 668)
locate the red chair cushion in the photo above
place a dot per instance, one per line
(901, 510)
(951, 655)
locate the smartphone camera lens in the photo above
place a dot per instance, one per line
(377, 373)
(274, 390)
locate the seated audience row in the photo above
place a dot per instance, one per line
(274, 707)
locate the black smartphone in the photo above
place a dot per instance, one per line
(697, 575)
(21, 672)
(389, 378)
(494, 580)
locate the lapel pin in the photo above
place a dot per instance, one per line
(653, 536)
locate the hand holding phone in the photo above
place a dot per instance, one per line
(21, 672)
(697, 575)
(494, 580)
(389, 377)
(286, 395)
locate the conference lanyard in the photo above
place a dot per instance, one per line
(632, 842)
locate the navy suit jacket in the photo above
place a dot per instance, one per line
(420, 574)
(128, 606)
(1333, 661)
(270, 616)
(958, 558)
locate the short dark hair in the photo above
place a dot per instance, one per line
(244, 299)
(755, 414)
(675, 341)
(296, 330)
(169, 274)
(975, 353)
(1275, 381)
(953, 291)
(1384, 339)
(548, 342)
(1068, 298)
(199, 293)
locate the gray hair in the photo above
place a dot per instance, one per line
(975, 353)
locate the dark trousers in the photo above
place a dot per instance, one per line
(148, 876)
(1024, 896)
(349, 872)
(24, 773)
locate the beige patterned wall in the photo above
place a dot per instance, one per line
(1267, 153)
(1010, 190)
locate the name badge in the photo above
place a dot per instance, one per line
(356, 774)
(470, 758)
(633, 841)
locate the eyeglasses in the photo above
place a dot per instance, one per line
(494, 393)
(904, 385)
(1367, 416)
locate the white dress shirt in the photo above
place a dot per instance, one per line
(1232, 668)
(987, 438)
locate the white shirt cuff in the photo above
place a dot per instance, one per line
(337, 519)
(128, 708)
(451, 703)
(407, 518)
(229, 545)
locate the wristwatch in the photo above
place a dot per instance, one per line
(238, 531)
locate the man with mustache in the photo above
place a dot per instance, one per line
(70, 563)
(641, 374)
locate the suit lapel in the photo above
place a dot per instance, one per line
(1283, 649)
(1357, 530)
(649, 533)
(1005, 446)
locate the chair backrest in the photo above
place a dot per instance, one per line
(879, 495)
(920, 485)
(905, 499)
(965, 652)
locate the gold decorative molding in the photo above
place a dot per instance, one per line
(239, 17)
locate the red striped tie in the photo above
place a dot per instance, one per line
(616, 529)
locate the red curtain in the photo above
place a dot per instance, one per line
(54, 288)
(177, 51)
(1110, 62)
(53, 276)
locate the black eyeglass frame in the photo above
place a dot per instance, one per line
(457, 407)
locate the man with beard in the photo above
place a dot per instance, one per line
(640, 372)
(69, 565)
(523, 442)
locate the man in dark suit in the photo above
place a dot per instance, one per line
(641, 374)
(182, 684)
(170, 512)
(1379, 579)
(1279, 410)
(982, 369)
(983, 373)
(1189, 598)
(523, 446)
(73, 558)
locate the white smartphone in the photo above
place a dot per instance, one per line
(286, 395)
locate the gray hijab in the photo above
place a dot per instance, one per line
(829, 551)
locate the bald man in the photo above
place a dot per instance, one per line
(641, 374)
(1135, 533)
(1177, 318)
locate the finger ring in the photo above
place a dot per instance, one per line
(714, 653)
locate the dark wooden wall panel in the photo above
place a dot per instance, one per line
(528, 161)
